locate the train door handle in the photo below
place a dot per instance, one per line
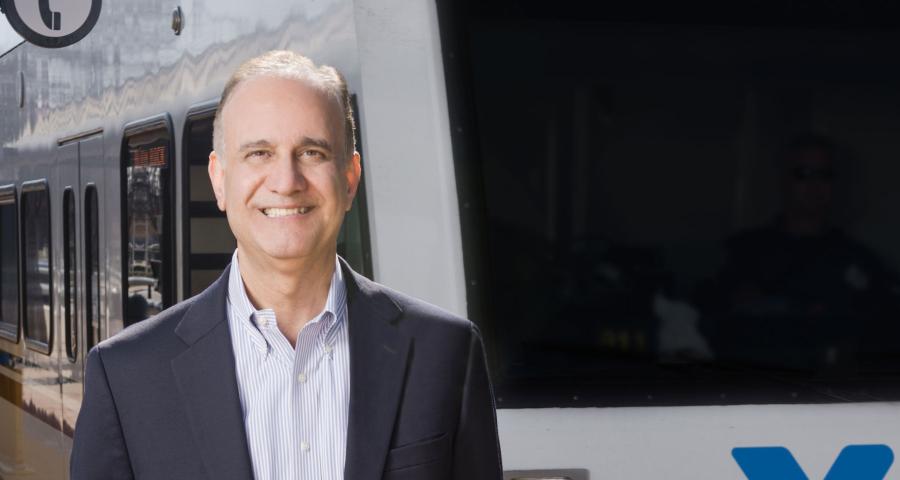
(542, 477)
(551, 474)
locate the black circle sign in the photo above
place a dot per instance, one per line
(52, 23)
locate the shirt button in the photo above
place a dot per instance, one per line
(301, 378)
(304, 446)
(328, 348)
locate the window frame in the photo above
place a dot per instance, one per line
(32, 344)
(70, 273)
(9, 195)
(86, 271)
(161, 121)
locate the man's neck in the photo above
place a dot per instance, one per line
(296, 292)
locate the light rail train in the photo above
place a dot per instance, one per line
(674, 222)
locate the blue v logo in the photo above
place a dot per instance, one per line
(855, 462)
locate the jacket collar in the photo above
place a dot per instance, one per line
(378, 357)
(206, 380)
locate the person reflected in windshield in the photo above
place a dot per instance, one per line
(800, 292)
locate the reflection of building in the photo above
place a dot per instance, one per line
(144, 196)
(146, 201)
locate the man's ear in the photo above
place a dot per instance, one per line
(353, 175)
(216, 171)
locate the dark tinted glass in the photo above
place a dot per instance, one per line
(149, 259)
(36, 265)
(692, 208)
(208, 239)
(70, 292)
(92, 267)
(9, 264)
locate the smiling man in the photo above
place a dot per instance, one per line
(291, 365)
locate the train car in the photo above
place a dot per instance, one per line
(673, 221)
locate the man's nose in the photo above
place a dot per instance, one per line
(285, 177)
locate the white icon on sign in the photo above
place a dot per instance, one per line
(51, 19)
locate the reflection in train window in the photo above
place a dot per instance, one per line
(208, 242)
(147, 210)
(9, 264)
(681, 214)
(70, 292)
(92, 311)
(36, 265)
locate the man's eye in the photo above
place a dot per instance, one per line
(314, 154)
(258, 154)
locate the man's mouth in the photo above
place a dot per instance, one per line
(284, 212)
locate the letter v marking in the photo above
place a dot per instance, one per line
(855, 462)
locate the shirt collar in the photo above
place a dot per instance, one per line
(335, 303)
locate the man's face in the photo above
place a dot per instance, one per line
(811, 181)
(285, 181)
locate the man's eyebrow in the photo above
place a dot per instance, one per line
(305, 142)
(315, 142)
(255, 144)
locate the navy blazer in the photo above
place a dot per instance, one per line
(161, 398)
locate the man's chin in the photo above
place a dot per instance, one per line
(289, 253)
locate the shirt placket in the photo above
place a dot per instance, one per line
(307, 390)
(277, 363)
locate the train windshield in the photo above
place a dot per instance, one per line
(667, 204)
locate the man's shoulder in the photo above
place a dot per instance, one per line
(417, 314)
(152, 336)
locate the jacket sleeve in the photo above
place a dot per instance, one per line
(98, 450)
(476, 451)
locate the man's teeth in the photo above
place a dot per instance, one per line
(283, 212)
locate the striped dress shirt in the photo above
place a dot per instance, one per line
(295, 400)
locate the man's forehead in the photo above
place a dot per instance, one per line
(272, 97)
(278, 90)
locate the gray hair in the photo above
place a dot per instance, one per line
(293, 66)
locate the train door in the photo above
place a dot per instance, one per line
(79, 181)
(39, 436)
(11, 348)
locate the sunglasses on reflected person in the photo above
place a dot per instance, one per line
(804, 174)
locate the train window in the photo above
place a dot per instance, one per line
(70, 272)
(9, 264)
(148, 253)
(675, 212)
(92, 320)
(37, 265)
(208, 242)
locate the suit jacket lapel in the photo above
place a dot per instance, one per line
(378, 356)
(205, 375)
